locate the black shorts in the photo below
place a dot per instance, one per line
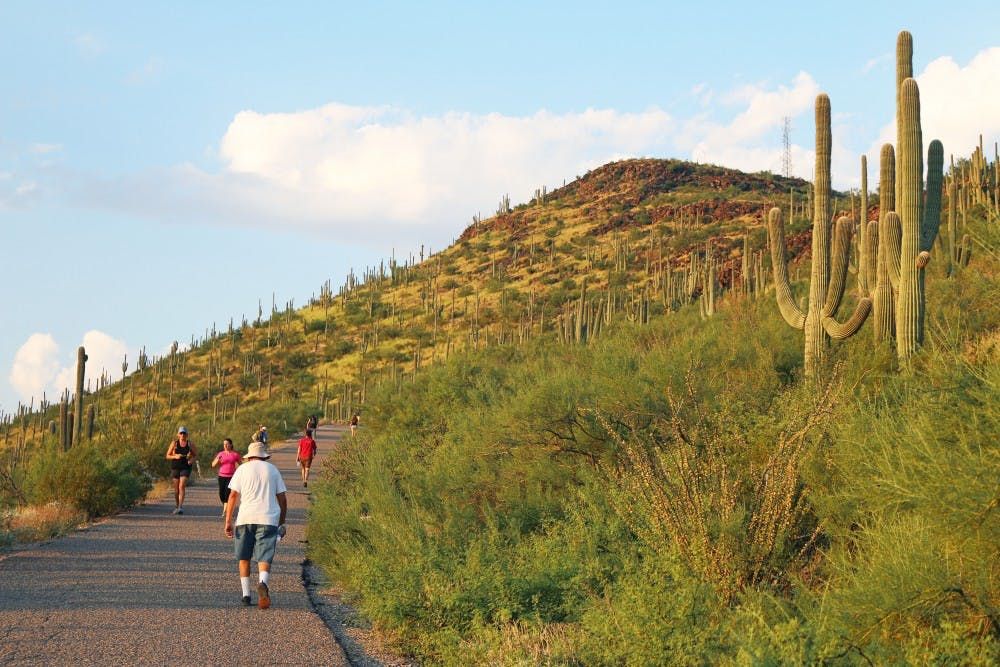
(177, 473)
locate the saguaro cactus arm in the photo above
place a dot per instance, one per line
(839, 257)
(838, 331)
(790, 311)
(835, 290)
(890, 237)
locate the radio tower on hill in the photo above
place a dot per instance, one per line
(786, 145)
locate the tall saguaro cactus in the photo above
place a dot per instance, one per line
(81, 365)
(919, 219)
(829, 274)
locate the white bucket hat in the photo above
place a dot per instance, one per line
(258, 450)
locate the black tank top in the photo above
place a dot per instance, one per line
(183, 450)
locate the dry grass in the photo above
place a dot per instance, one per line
(34, 523)
(524, 644)
(37, 523)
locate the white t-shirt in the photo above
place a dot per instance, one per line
(258, 483)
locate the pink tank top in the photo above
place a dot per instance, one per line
(227, 463)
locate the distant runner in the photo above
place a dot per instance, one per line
(259, 490)
(226, 460)
(307, 451)
(355, 420)
(180, 453)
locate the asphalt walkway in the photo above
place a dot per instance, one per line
(150, 588)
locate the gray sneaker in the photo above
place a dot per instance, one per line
(246, 601)
(177, 510)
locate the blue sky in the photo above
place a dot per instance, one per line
(164, 165)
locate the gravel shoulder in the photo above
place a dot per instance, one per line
(148, 587)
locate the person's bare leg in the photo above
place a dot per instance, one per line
(180, 490)
(244, 568)
(305, 473)
(177, 502)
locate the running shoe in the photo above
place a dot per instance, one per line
(177, 510)
(246, 601)
(263, 596)
(180, 510)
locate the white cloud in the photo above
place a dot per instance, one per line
(368, 174)
(103, 352)
(372, 172)
(36, 364)
(751, 140)
(385, 163)
(957, 104)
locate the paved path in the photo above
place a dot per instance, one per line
(151, 588)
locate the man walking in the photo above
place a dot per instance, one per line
(259, 490)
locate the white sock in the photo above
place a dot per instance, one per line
(245, 585)
(265, 576)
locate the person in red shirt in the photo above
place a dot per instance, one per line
(307, 451)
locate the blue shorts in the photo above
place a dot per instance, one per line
(255, 541)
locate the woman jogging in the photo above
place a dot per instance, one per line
(180, 453)
(355, 420)
(307, 451)
(226, 460)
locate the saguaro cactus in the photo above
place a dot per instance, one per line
(919, 221)
(81, 365)
(828, 275)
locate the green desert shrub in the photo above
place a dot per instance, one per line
(88, 477)
(677, 493)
